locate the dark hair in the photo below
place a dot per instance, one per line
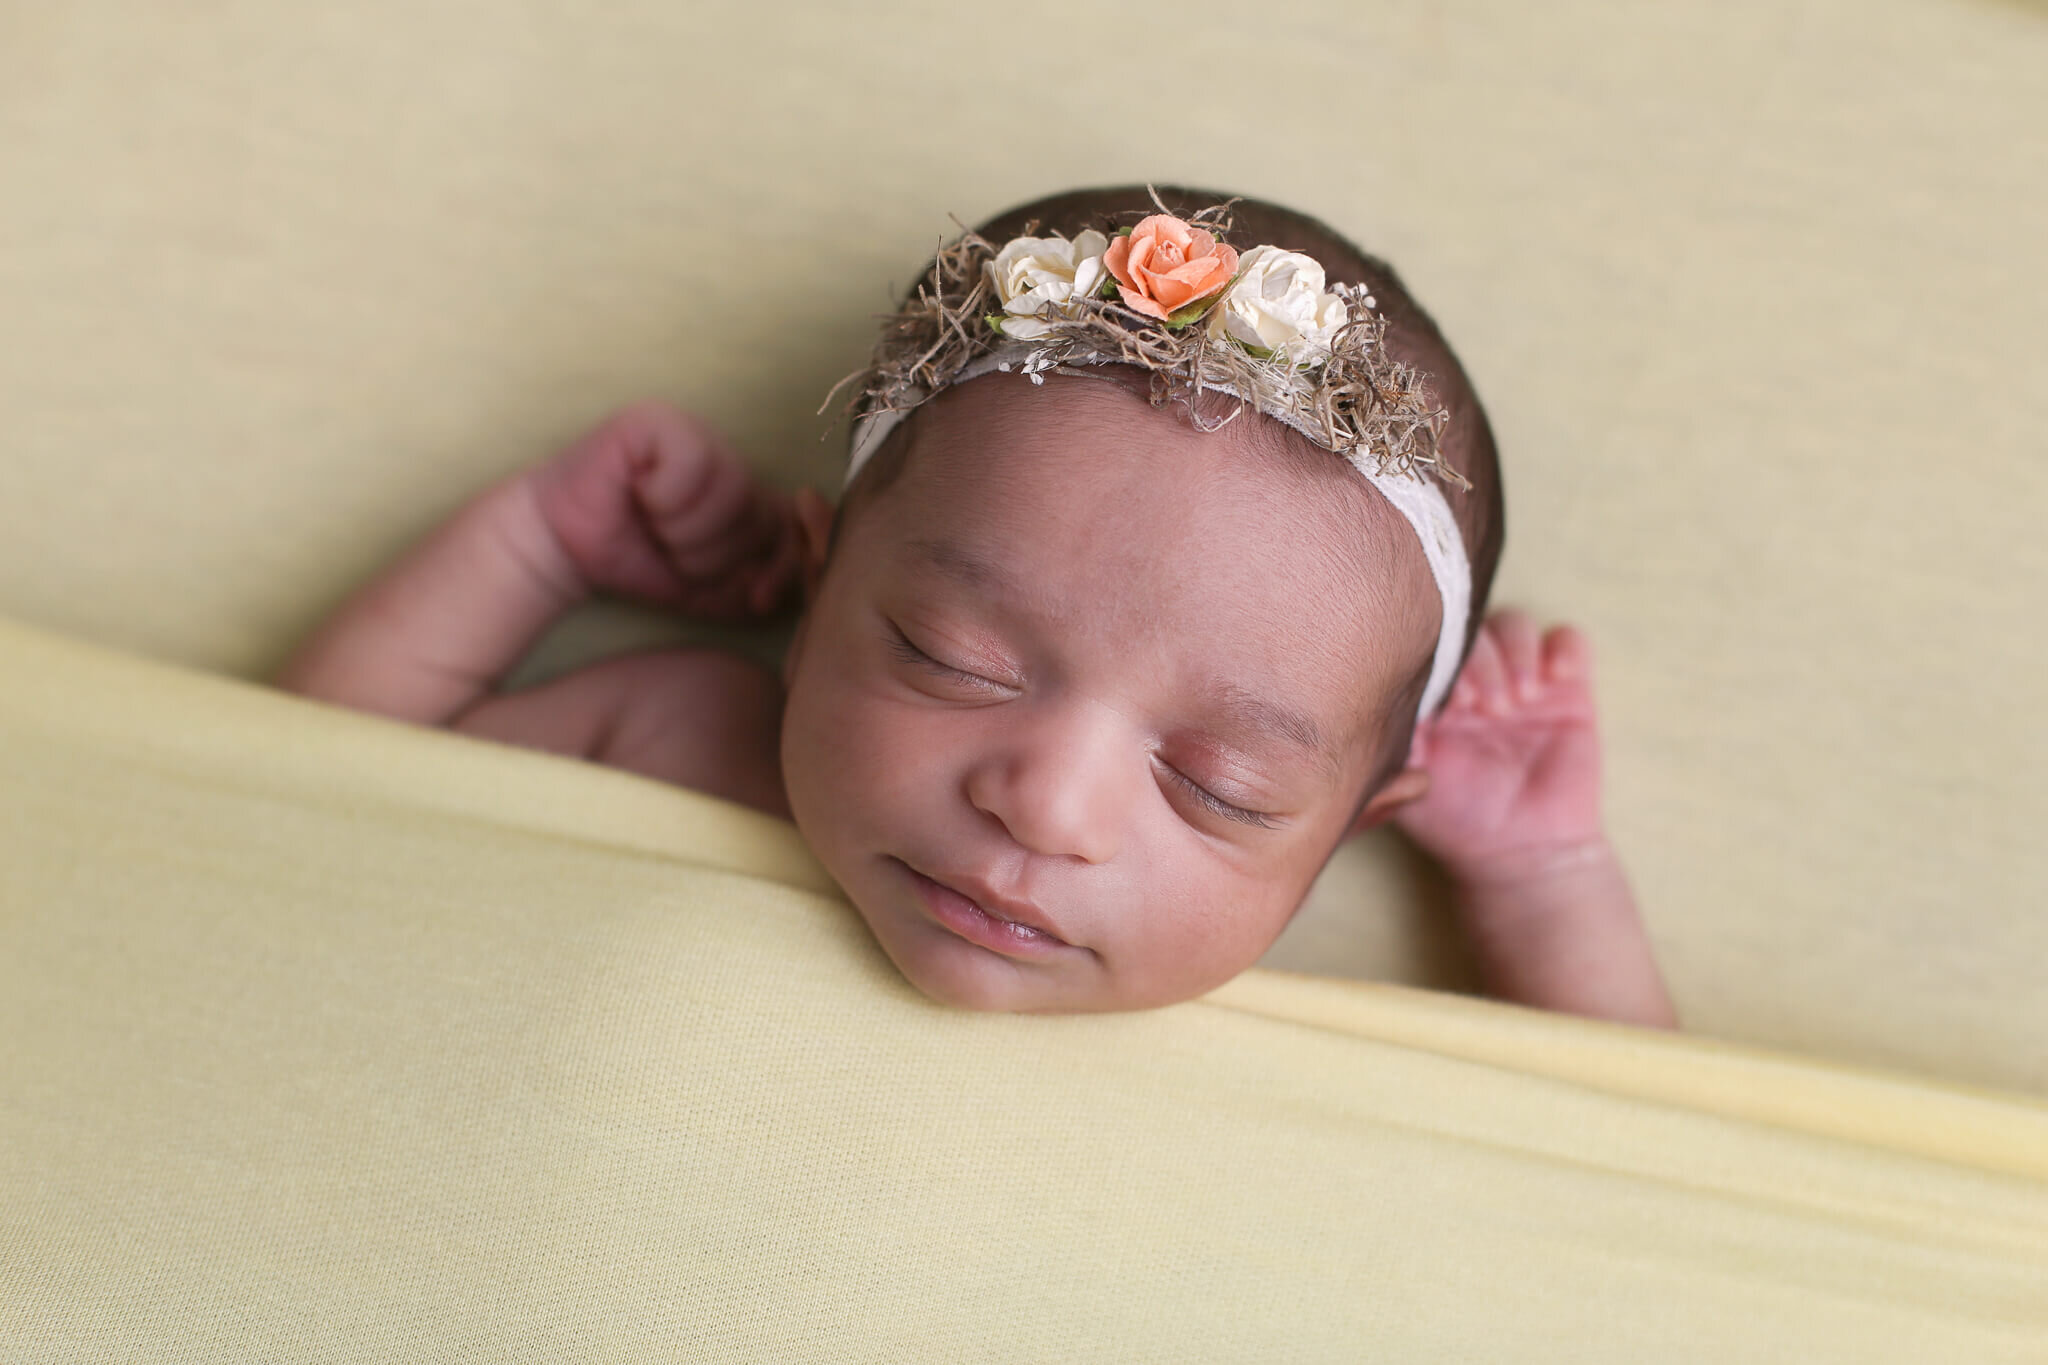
(1412, 336)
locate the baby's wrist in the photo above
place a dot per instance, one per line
(1520, 871)
(546, 557)
(1557, 926)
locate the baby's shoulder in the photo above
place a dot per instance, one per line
(700, 718)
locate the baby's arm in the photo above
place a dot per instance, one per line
(1513, 813)
(430, 636)
(651, 504)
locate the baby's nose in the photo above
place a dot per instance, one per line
(1062, 784)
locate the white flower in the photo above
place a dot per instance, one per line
(1279, 304)
(1037, 277)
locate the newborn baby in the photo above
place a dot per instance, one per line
(1087, 686)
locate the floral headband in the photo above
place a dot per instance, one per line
(1168, 296)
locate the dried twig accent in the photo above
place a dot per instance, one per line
(1356, 401)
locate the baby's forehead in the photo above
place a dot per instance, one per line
(1096, 449)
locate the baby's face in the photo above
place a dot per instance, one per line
(1086, 698)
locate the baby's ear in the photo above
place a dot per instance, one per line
(1410, 784)
(813, 518)
(814, 527)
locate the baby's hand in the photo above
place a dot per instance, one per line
(1513, 813)
(1513, 756)
(653, 504)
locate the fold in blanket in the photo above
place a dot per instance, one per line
(328, 1037)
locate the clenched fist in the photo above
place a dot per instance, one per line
(654, 505)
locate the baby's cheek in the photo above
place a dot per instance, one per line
(855, 763)
(824, 759)
(1209, 928)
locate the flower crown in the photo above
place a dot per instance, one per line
(1168, 296)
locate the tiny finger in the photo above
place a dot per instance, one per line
(708, 510)
(1521, 649)
(1418, 745)
(1484, 676)
(1567, 655)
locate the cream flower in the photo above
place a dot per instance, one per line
(1037, 277)
(1279, 304)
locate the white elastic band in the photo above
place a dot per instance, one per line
(1415, 496)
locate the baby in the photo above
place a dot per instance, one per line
(1157, 562)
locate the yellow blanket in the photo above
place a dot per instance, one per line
(327, 1038)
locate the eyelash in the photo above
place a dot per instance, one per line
(1214, 802)
(902, 648)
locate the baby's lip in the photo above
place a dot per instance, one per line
(998, 906)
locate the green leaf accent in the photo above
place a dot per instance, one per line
(994, 320)
(1181, 317)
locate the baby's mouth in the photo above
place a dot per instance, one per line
(987, 923)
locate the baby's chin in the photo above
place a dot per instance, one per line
(950, 971)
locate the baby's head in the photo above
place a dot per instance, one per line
(1085, 696)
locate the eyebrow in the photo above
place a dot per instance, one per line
(1251, 712)
(963, 566)
(987, 577)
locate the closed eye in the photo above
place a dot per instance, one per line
(900, 646)
(911, 654)
(1216, 804)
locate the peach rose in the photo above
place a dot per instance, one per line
(1166, 264)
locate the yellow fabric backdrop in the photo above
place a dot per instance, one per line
(326, 1038)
